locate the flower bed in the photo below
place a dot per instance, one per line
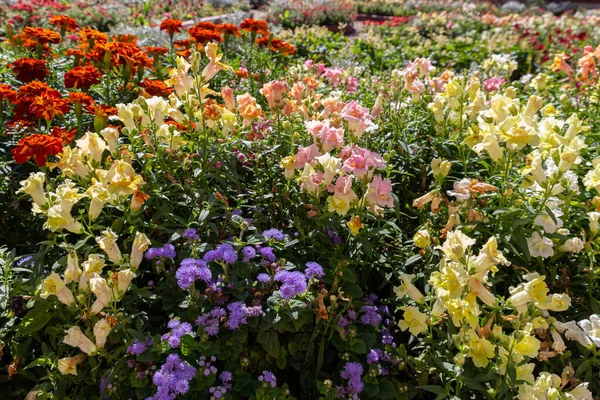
(236, 214)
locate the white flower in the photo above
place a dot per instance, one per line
(124, 278)
(573, 245)
(461, 190)
(407, 288)
(140, 245)
(573, 332)
(34, 186)
(100, 288)
(101, 330)
(73, 271)
(594, 216)
(592, 328)
(540, 246)
(550, 224)
(54, 285)
(108, 243)
(76, 338)
(68, 365)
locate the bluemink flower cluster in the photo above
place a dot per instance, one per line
(210, 320)
(346, 320)
(219, 391)
(313, 269)
(371, 316)
(274, 234)
(173, 378)
(191, 269)
(138, 347)
(206, 365)
(248, 253)
(383, 358)
(238, 312)
(353, 372)
(269, 378)
(178, 329)
(192, 234)
(167, 251)
(268, 254)
(224, 253)
(293, 283)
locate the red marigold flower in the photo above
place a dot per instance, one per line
(29, 69)
(82, 77)
(126, 38)
(182, 44)
(48, 105)
(41, 35)
(66, 136)
(228, 29)
(171, 26)
(37, 146)
(156, 88)
(255, 25)
(80, 98)
(209, 26)
(65, 23)
(204, 36)
(7, 93)
(156, 51)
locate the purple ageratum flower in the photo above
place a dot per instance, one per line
(370, 316)
(334, 237)
(267, 252)
(191, 233)
(236, 212)
(167, 251)
(136, 348)
(273, 234)
(343, 322)
(293, 283)
(264, 278)
(313, 269)
(178, 330)
(353, 372)
(226, 376)
(224, 252)
(191, 269)
(173, 378)
(269, 378)
(372, 357)
(351, 314)
(248, 253)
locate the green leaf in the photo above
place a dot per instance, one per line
(35, 320)
(270, 342)
(188, 345)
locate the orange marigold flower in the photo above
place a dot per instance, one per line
(204, 36)
(255, 25)
(126, 38)
(37, 146)
(64, 22)
(21, 39)
(156, 88)
(33, 89)
(29, 69)
(82, 77)
(228, 29)
(209, 26)
(156, 51)
(41, 35)
(91, 37)
(7, 93)
(48, 105)
(75, 53)
(80, 98)
(242, 73)
(183, 44)
(282, 47)
(66, 136)
(171, 26)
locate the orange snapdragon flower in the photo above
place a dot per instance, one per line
(37, 146)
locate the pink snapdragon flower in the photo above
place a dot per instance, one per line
(333, 75)
(306, 155)
(358, 118)
(380, 192)
(274, 92)
(493, 84)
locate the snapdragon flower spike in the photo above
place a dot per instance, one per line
(269, 378)
(167, 251)
(173, 378)
(191, 269)
(178, 330)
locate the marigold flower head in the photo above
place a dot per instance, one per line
(66, 136)
(126, 38)
(29, 69)
(171, 26)
(48, 105)
(41, 35)
(209, 26)
(253, 25)
(156, 88)
(37, 146)
(65, 23)
(82, 77)
(156, 51)
(203, 36)
(228, 29)
(7, 93)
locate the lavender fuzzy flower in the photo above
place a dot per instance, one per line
(137, 348)
(313, 269)
(273, 234)
(167, 251)
(353, 372)
(267, 252)
(178, 330)
(248, 253)
(191, 233)
(293, 283)
(191, 269)
(173, 378)
(371, 316)
(269, 378)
